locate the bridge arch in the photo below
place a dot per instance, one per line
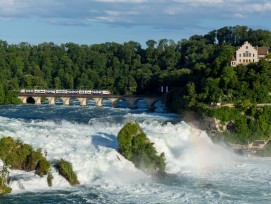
(153, 103)
(30, 100)
(58, 101)
(107, 103)
(75, 102)
(90, 102)
(140, 103)
(122, 103)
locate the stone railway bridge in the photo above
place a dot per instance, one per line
(36, 98)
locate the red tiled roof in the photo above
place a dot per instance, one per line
(263, 50)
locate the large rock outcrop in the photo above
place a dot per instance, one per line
(136, 147)
(22, 156)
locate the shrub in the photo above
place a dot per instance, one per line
(4, 189)
(22, 156)
(66, 170)
(49, 179)
(136, 147)
(43, 167)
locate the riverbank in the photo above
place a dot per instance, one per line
(230, 126)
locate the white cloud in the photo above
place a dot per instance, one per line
(166, 14)
(5, 3)
(258, 7)
(200, 1)
(122, 1)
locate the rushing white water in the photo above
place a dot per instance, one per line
(198, 170)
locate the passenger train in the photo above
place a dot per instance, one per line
(66, 91)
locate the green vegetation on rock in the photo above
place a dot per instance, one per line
(247, 124)
(4, 189)
(22, 156)
(136, 147)
(66, 170)
(49, 179)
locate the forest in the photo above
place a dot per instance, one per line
(197, 71)
(197, 67)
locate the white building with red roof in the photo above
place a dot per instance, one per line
(248, 54)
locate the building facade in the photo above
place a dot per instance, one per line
(248, 54)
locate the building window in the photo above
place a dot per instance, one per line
(239, 60)
(244, 54)
(253, 55)
(240, 55)
(249, 54)
(246, 47)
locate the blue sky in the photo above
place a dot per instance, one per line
(99, 21)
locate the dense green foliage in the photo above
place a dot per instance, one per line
(66, 170)
(22, 156)
(196, 70)
(136, 147)
(249, 123)
(196, 65)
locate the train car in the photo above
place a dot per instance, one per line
(29, 90)
(98, 92)
(60, 91)
(51, 91)
(89, 92)
(81, 92)
(73, 91)
(40, 91)
(105, 92)
(65, 91)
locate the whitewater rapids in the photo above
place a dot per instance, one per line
(198, 170)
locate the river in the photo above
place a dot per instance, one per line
(198, 171)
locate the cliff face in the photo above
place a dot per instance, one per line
(211, 125)
(214, 125)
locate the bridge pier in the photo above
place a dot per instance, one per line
(98, 101)
(114, 101)
(37, 100)
(51, 100)
(150, 102)
(132, 102)
(23, 99)
(66, 100)
(83, 101)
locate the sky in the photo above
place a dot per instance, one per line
(99, 21)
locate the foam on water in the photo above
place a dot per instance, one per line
(92, 149)
(198, 169)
